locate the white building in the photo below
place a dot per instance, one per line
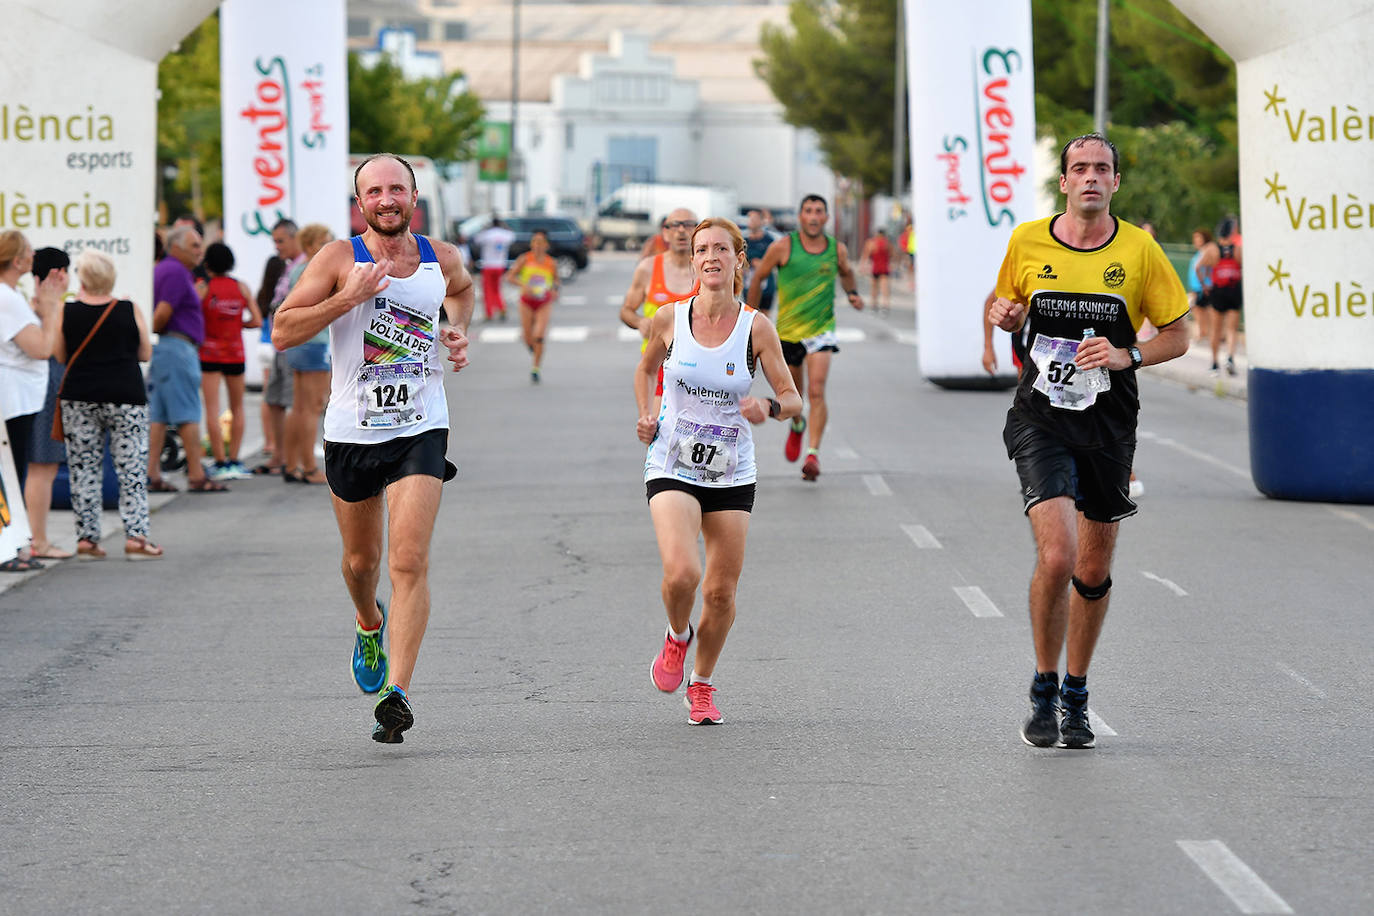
(610, 93)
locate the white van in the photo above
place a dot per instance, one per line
(633, 211)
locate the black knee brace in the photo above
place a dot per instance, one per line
(1092, 592)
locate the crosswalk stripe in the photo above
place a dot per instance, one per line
(1237, 880)
(578, 333)
(570, 333)
(977, 601)
(920, 536)
(876, 485)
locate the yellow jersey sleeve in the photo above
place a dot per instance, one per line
(1163, 299)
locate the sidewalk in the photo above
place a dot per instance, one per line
(62, 522)
(1194, 371)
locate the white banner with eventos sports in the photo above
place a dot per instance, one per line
(972, 170)
(284, 120)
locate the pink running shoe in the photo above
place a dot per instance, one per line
(701, 708)
(811, 468)
(667, 667)
(792, 450)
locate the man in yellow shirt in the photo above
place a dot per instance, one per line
(1080, 284)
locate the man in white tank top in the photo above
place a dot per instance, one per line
(386, 427)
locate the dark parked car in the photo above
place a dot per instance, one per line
(567, 244)
(784, 218)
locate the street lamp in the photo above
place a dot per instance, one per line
(513, 157)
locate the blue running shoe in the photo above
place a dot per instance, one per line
(394, 716)
(369, 659)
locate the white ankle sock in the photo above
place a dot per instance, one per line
(683, 636)
(698, 679)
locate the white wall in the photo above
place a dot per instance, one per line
(634, 94)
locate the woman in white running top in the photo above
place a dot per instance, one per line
(699, 471)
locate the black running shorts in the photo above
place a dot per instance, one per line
(794, 352)
(1098, 480)
(359, 472)
(222, 368)
(1225, 298)
(712, 499)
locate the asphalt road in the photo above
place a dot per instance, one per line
(184, 735)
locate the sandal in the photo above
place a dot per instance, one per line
(87, 550)
(50, 552)
(264, 470)
(20, 565)
(314, 475)
(206, 485)
(161, 486)
(142, 549)
(291, 477)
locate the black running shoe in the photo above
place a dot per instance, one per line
(1041, 729)
(394, 716)
(1073, 728)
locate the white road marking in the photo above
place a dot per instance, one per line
(920, 536)
(1237, 880)
(1098, 726)
(977, 602)
(570, 333)
(845, 453)
(572, 300)
(905, 337)
(850, 335)
(1200, 456)
(1350, 516)
(876, 485)
(499, 335)
(1316, 691)
(616, 300)
(1167, 583)
(627, 334)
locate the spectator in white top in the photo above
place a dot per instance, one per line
(493, 246)
(26, 342)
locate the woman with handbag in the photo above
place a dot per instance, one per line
(103, 340)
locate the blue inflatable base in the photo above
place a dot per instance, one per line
(109, 491)
(1312, 434)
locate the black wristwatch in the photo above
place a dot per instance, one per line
(774, 408)
(1136, 358)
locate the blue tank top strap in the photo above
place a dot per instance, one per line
(360, 253)
(426, 249)
(362, 256)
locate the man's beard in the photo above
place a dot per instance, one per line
(404, 225)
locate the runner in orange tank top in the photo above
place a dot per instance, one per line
(662, 278)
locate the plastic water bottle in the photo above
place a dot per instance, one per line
(1095, 379)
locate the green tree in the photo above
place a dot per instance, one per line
(423, 117)
(1171, 97)
(1171, 105)
(188, 127)
(833, 70)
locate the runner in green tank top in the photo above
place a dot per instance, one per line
(808, 261)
